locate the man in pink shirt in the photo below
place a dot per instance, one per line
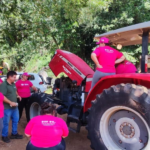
(4, 99)
(23, 88)
(105, 58)
(125, 67)
(46, 131)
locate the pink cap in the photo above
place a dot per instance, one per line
(25, 74)
(103, 40)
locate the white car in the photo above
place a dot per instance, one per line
(3, 77)
(36, 79)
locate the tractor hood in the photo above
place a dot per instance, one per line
(72, 65)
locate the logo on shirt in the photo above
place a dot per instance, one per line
(109, 50)
(48, 123)
(128, 63)
(25, 84)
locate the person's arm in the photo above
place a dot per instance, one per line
(119, 60)
(1, 81)
(17, 87)
(18, 96)
(28, 135)
(12, 104)
(34, 88)
(29, 127)
(95, 60)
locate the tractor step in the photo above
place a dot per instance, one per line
(73, 130)
(76, 120)
(74, 116)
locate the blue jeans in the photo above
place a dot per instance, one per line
(1, 126)
(12, 113)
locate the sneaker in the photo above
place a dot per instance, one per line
(5, 139)
(16, 136)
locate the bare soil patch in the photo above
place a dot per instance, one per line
(75, 141)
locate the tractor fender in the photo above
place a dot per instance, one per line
(108, 81)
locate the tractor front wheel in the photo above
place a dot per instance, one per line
(35, 102)
(119, 119)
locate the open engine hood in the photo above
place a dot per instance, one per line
(72, 65)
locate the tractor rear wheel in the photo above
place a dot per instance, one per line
(35, 102)
(119, 119)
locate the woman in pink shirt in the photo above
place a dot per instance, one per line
(125, 67)
(23, 88)
(47, 130)
(105, 58)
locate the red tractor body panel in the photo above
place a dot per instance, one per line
(76, 69)
(107, 82)
(72, 65)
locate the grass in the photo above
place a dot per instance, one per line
(49, 91)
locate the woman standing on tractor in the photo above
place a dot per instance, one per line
(105, 58)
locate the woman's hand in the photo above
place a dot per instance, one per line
(19, 97)
(120, 60)
(99, 66)
(27, 135)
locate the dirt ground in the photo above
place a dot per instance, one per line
(75, 141)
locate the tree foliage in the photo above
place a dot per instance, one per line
(34, 29)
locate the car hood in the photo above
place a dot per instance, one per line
(72, 65)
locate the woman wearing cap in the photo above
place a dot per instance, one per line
(23, 88)
(46, 131)
(105, 58)
(125, 67)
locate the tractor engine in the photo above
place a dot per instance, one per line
(68, 96)
(67, 92)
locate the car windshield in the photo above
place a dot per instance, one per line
(31, 77)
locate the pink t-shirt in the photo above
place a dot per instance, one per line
(1, 81)
(23, 88)
(125, 67)
(107, 56)
(46, 130)
(1, 105)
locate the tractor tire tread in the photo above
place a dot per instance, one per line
(137, 94)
